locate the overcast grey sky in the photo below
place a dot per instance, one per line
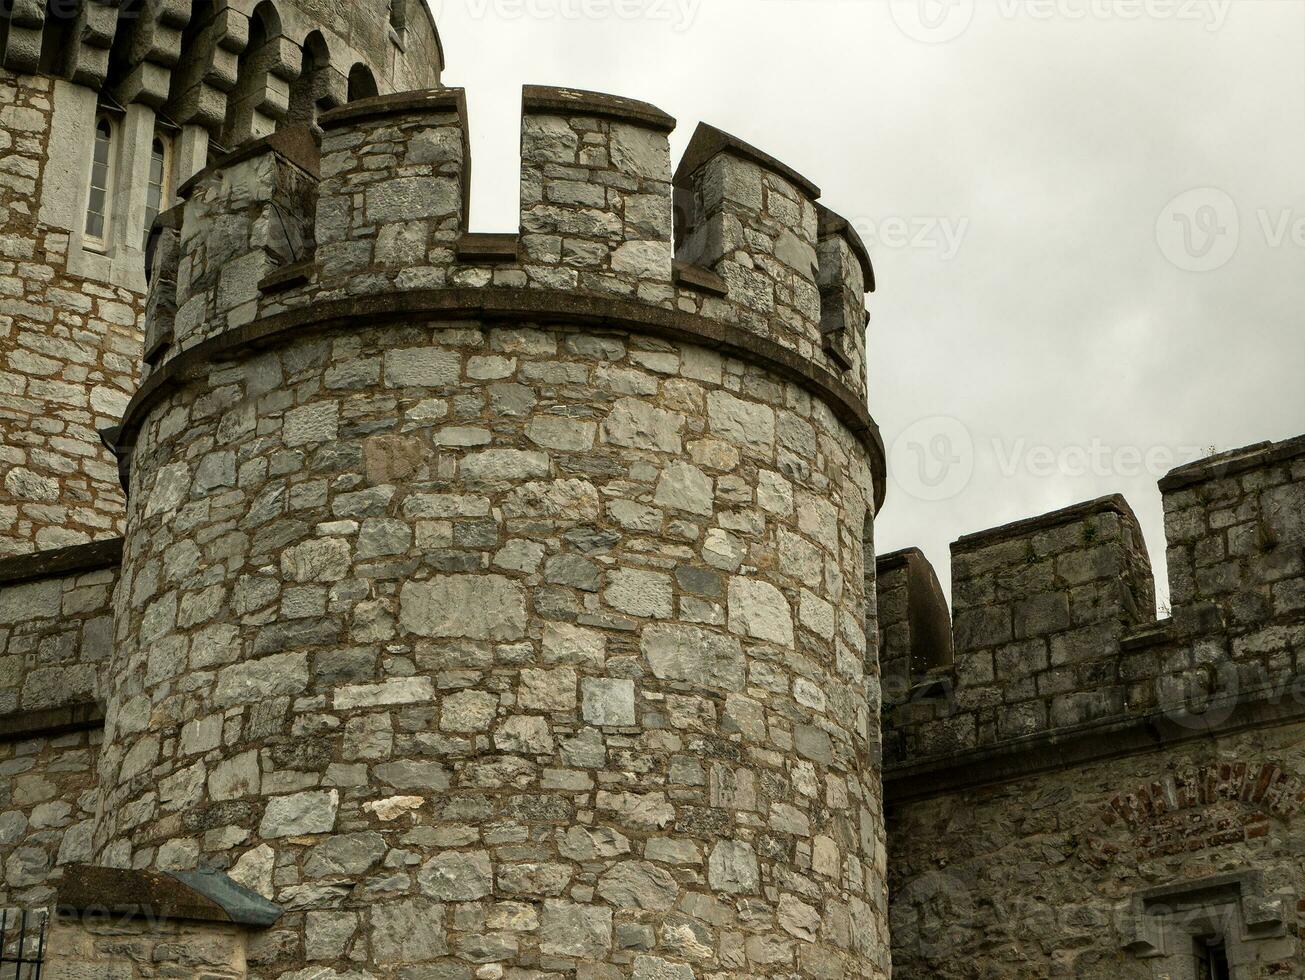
(1087, 218)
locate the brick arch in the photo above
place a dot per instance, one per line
(1159, 813)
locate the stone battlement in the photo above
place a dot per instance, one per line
(1053, 627)
(733, 237)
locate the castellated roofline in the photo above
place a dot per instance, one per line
(732, 250)
(1053, 630)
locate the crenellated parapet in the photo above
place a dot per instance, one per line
(733, 246)
(1054, 628)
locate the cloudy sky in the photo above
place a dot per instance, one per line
(1087, 218)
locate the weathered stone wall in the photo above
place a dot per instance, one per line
(1039, 608)
(68, 349)
(1033, 879)
(1078, 754)
(522, 645)
(390, 213)
(47, 808)
(141, 948)
(69, 317)
(1053, 622)
(55, 639)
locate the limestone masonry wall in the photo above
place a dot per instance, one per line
(1036, 878)
(1088, 792)
(56, 635)
(137, 948)
(261, 238)
(469, 642)
(503, 599)
(1053, 621)
(68, 352)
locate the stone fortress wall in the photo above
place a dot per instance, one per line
(56, 640)
(197, 75)
(503, 599)
(1058, 753)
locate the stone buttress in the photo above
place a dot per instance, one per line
(498, 602)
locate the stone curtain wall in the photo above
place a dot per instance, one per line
(1038, 611)
(1031, 880)
(1056, 666)
(69, 350)
(539, 647)
(55, 639)
(1052, 617)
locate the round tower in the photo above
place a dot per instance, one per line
(499, 602)
(105, 109)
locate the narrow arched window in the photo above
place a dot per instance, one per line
(362, 85)
(398, 16)
(158, 193)
(97, 201)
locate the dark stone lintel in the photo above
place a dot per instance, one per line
(197, 896)
(60, 562)
(48, 722)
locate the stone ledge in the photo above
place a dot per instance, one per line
(200, 896)
(378, 106)
(488, 247)
(45, 722)
(573, 101)
(1233, 462)
(519, 305)
(1095, 742)
(708, 141)
(297, 145)
(697, 278)
(61, 561)
(1113, 503)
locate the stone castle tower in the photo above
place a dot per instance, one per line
(385, 601)
(107, 109)
(388, 600)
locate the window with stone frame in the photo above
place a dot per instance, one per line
(1222, 928)
(99, 194)
(158, 190)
